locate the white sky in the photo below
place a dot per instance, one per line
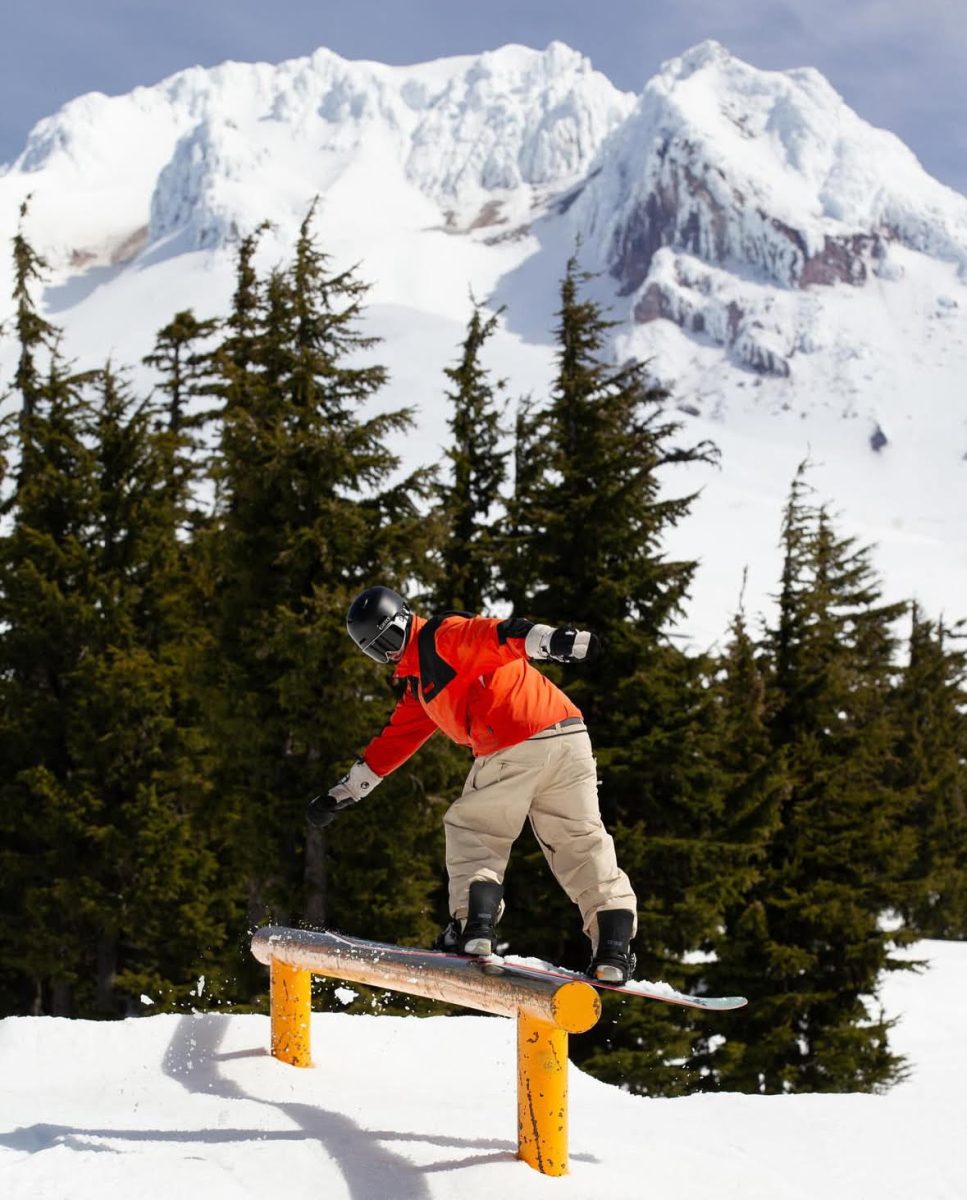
(898, 62)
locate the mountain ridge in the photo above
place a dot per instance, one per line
(790, 273)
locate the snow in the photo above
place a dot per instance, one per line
(473, 176)
(794, 153)
(209, 153)
(407, 1108)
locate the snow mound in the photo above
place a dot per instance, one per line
(425, 1109)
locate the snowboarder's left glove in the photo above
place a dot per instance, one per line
(357, 783)
(562, 645)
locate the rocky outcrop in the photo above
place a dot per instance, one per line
(701, 302)
(684, 214)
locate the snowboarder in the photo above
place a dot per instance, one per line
(470, 677)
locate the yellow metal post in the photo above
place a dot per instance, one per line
(290, 1005)
(547, 1009)
(541, 1095)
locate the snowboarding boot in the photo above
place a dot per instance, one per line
(613, 961)
(448, 939)
(484, 908)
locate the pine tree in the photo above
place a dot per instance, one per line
(521, 524)
(139, 739)
(595, 515)
(43, 626)
(309, 516)
(35, 335)
(470, 499)
(809, 929)
(103, 867)
(585, 546)
(45, 629)
(754, 786)
(930, 770)
(185, 368)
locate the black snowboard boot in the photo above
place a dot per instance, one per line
(448, 939)
(484, 909)
(613, 960)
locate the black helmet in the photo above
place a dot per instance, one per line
(378, 622)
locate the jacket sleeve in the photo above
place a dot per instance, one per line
(483, 643)
(403, 734)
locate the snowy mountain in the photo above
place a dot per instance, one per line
(746, 183)
(408, 1108)
(204, 153)
(790, 272)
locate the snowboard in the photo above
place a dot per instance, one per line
(495, 964)
(641, 988)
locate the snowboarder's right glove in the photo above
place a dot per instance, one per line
(358, 782)
(560, 645)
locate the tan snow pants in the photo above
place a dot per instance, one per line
(552, 779)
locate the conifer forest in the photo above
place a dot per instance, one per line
(176, 684)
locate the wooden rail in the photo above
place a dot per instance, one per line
(546, 1010)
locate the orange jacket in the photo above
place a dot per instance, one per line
(470, 677)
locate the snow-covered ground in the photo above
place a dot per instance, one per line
(403, 1108)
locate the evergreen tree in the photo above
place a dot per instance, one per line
(755, 770)
(185, 368)
(35, 335)
(155, 895)
(595, 515)
(586, 527)
(930, 770)
(309, 515)
(101, 861)
(809, 929)
(45, 627)
(470, 498)
(42, 634)
(521, 524)
(754, 786)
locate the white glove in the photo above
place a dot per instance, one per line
(358, 782)
(544, 642)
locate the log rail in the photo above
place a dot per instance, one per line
(546, 1011)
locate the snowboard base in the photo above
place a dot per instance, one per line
(496, 964)
(634, 987)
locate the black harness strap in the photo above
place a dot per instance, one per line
(435, 672)
(513, 627)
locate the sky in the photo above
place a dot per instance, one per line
(899, 63)
(426, 1109)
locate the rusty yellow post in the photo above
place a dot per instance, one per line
(290, 1005)
(541, 1096)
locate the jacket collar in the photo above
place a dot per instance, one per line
(409, 664)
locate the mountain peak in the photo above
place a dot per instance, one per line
(727, 179)
(705, 54)
(772, 254)
(726, 147)
(208, 152)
